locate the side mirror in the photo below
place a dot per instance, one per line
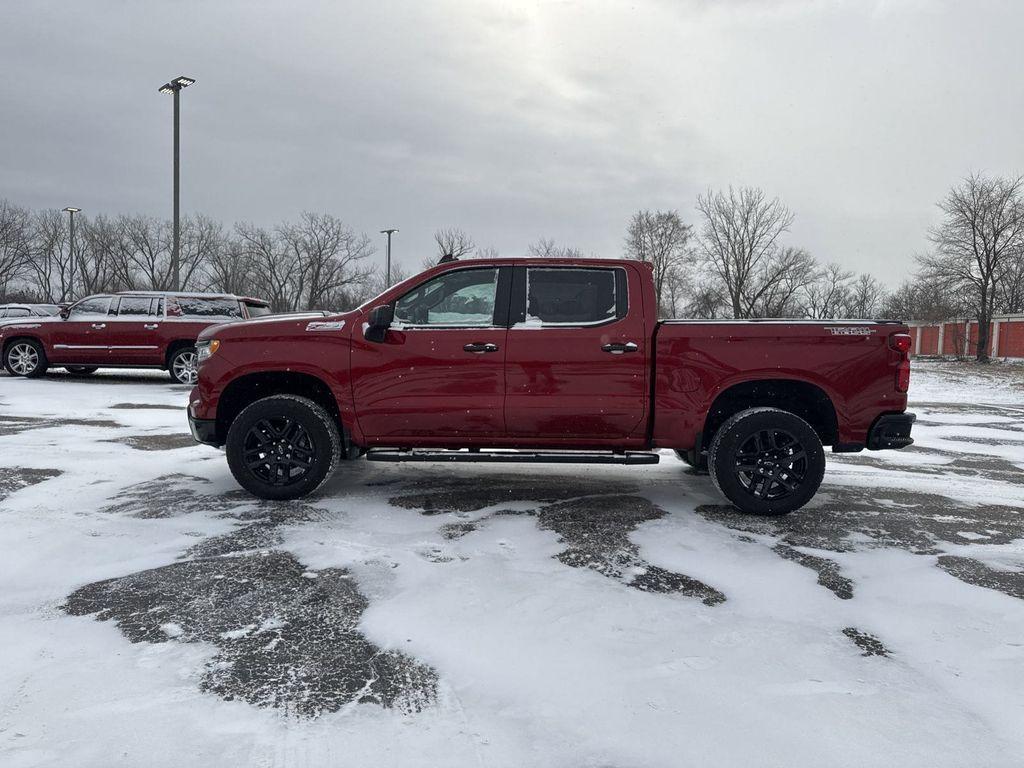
(65, 312)
(378, 322)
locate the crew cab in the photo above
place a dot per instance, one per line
(549, 360)
(137, 329)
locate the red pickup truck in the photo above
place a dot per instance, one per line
(548, 360)
(125, 330)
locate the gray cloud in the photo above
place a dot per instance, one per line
(516, 121)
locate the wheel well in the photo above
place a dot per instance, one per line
(807, 401)
(246, 390)
(174, 346)
(13, 339)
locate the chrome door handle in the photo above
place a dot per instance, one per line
(619, 348)
(151, 326)
(479, 348)
(98, 326)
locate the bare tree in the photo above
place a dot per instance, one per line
(453, 243)
(96, 255)
(864, 298)
(50, 256)
(826, 297)
(548, 248)
(774, 287)
(739, 238)
(661, 239)
(982, 231)
(14, 244)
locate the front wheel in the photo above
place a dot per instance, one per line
(282, 447)
(25, 357)
(766, 461)
(184, 366)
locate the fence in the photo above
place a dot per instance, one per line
(960, 337)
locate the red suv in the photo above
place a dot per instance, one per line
(138, 329)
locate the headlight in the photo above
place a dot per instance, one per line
(205, 349)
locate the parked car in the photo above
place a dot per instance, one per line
(553, 360)
(137, 329)
(8, 311)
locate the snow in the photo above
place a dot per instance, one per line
(519, 592)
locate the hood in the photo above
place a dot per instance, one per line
(28, 322)
(298, 323)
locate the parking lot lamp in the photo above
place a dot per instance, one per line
(175, 87)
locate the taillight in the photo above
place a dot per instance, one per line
(903, 377)
(900, 342)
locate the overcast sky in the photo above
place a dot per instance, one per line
(516, 120)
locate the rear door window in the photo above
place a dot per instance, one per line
(135, 306)
(202, 307)
(573, 296)
(15, 312)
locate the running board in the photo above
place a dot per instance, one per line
(514, 457)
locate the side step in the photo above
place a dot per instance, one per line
(514, 457)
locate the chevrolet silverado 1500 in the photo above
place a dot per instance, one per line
(548, 360)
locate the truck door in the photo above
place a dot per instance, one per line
(440, 371)
(82, 337)
(576, 356)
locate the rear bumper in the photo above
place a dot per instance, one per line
(891, 430)
(204, 430)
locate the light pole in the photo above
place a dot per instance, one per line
(71, 267)
(174, 87)
(387, 279)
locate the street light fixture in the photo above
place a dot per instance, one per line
(387, 279)
(174, 88)
(71, 267)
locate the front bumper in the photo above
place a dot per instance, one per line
(891, 430)
(203, 430)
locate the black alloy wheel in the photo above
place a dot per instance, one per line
(279, 451)
(282, 447)
(766, 461)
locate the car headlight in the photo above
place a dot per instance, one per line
(205, 350)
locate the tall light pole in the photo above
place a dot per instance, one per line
(387, 279)
(71, 268)
(174, 87)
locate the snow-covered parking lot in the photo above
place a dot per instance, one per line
(151, 614)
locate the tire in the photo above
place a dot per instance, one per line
(269, 442)
(763, 440)
(81, 370)
(25, 358)
(699, 466)
(182, 366)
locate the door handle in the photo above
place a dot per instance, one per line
(618, 348)
(151, 326)
(479, 348)
(99, 326)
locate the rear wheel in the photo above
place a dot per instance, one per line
(25, 357)
(282, 447)
(766, 461)
(81, 370)
(184, 366)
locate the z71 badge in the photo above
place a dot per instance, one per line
(850, 330)
(325, 325)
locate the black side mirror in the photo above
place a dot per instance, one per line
(378, 322)
(65, 312)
